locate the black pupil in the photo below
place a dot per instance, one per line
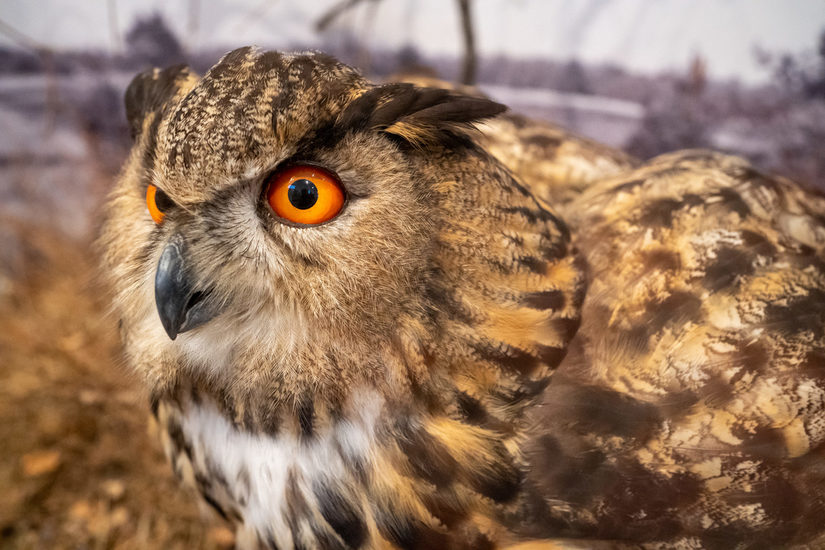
(162, 201)
(302, 194)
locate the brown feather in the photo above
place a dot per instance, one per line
(451, 362)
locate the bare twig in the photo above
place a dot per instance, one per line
(114, 28)
(46, 54)
(255, 13)
(468, 72)
(335, 12)
(21, 39)
(192, 24)
(364, 56)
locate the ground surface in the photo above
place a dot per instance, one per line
(79, 467)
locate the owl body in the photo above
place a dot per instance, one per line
(447, 361)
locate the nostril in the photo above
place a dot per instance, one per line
(199, 309)
(195, 299)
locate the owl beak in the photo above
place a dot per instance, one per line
(181, 307)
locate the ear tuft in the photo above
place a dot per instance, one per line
(149, 91)
(420, 116)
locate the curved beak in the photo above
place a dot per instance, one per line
(181, 307)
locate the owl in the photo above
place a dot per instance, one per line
(388, 316)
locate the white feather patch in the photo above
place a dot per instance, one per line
(267, 460)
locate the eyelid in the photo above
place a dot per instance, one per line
(151, 204)
(326, 193)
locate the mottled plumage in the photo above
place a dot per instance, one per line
(451, 362)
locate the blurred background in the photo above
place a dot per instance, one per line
(79, 468)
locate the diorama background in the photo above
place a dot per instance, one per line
(79, 467)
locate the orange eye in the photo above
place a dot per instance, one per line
(158, 203)
(305, 194)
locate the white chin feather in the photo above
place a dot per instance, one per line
(216, 344)
(266, 460)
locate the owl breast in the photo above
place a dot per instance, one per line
(284, 489)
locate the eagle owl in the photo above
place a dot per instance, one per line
(365, 324)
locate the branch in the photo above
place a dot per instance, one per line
(23, 40)
(468, 72)
(335, 12)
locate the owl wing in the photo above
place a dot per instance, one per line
(555, 164)
(691, 406)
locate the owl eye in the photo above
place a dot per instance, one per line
(158, 203)
(305, 194)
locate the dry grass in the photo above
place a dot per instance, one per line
(79, 466)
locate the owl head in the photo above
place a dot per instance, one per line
(283, 223)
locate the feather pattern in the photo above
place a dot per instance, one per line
(510, 339)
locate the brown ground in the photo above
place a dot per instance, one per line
(79, 467)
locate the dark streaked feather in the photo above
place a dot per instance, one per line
(149, 91)
(418, 115)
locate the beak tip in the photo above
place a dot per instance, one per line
(168, 327)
